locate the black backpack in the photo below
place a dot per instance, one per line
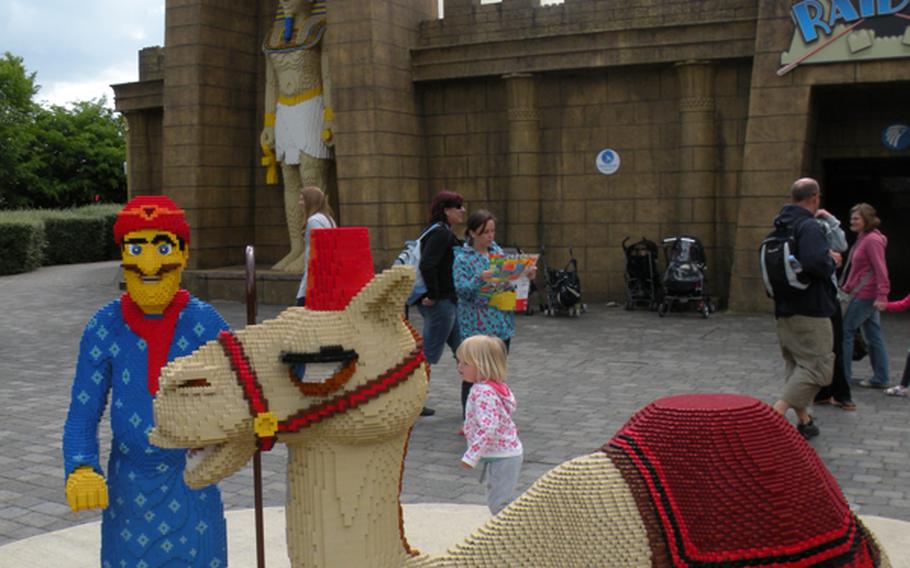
(778, 254)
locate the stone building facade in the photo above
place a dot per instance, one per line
(510, 103)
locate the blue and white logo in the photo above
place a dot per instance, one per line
(896, 136)
(607, 161)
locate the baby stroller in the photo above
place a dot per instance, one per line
(563, 289)
(685, 281)
(642, 284)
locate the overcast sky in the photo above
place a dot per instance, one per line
(80, 47)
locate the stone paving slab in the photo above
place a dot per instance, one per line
(577, 381)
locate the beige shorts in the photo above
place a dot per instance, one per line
(807, 345)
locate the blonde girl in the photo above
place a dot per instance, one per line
(490, 434)
(318, 215)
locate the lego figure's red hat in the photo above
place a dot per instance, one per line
(340, 265)
(151, 212)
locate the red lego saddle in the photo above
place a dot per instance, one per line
(723, 480)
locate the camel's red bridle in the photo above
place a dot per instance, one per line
(267, 425)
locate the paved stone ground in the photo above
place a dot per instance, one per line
(577, 381)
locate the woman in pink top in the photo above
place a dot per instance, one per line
(868, 281)
(901, 389)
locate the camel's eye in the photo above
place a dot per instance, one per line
(323, 371)
(194, 383)
(314, 372)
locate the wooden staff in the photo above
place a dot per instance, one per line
(250, 255)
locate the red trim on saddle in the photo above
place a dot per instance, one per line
(730, 481)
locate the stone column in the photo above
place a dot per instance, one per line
(138, 152)
(523, 208)
(778, 149)
(209, 130)
(378, 142)
(141, 104)
(696, 207)
(697, 142)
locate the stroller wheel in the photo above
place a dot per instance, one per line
(662, 309)
(705, 311)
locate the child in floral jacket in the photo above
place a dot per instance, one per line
(491, 435)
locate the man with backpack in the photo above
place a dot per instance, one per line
(797, 266)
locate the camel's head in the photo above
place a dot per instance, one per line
(354, 376)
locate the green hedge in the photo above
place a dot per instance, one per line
(36, 237)
(74, 240)
(22, 243)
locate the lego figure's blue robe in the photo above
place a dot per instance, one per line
(153, 518)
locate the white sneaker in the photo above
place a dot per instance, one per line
(897, 391)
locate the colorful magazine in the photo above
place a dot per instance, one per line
(509, 274)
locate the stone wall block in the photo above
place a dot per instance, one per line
(776, 101)
(765, 156)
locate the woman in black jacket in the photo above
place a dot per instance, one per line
(437, 306)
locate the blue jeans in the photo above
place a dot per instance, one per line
(439, 328)
(862, 313)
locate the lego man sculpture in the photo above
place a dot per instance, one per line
(298, 113)
(151, 517)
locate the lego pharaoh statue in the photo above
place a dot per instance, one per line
(298, 113)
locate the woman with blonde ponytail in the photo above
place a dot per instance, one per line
(318, 215)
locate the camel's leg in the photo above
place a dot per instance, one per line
(311, 171)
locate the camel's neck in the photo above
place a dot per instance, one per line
(343, 503)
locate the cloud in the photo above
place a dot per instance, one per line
(79, 48)
(64, 92)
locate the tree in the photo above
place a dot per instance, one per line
(56, 156)
(17, 114)
(78, 155)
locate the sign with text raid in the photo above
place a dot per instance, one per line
(831, 31)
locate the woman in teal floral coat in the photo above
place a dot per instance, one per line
(470, 271)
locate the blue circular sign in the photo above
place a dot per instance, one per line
(607, 161)
(896, 136)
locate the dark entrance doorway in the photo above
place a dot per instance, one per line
(883, 183)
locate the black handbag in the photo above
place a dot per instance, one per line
(859, 346)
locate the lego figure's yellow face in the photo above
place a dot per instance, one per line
(153, 261)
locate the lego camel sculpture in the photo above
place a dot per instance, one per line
(689, 481)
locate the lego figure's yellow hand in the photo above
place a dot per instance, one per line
(85, 489)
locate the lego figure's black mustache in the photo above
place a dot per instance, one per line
(162, 270)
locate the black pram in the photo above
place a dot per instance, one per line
(642, 274)
(685, 278)
(563, 289)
